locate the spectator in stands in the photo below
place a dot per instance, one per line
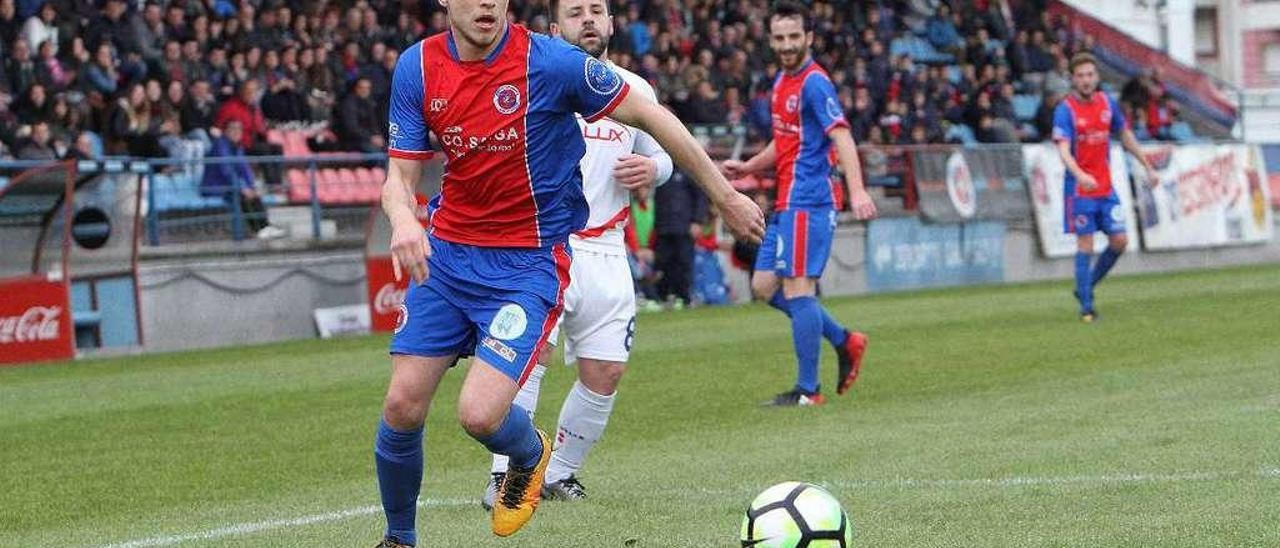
(706, 106)
(110, 27)
(10, 25)
(65, 123)
(1058, 80)
(245, 108)
(35, 105)
(82, 148)
(102, 74)
(20, 67)
(1044, 115)
(359, 123)
(1039, 57)
(863, 116)
(681, 210)
(49, 69)
(1017, 54)
(942, 32)
(42, 28)
(38, 146)
(640, 239)
(132, 130)
(1159, 115)
(198, 111)
(228, 178)
(147, 28)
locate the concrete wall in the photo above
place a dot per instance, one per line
(244, 298)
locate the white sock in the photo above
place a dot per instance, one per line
(582, 422)
(527, 398)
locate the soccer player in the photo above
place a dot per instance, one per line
(491, 270)
(599, 307)
(1083, 124)
(807, 122)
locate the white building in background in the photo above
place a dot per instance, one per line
(1239, 41)
(1236, 41)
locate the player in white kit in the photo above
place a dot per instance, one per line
(599, 319)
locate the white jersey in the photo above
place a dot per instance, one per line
(608, 140)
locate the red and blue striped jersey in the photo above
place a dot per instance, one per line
(507, 127)
(1088, 126)
(805, 110)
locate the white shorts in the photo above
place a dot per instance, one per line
(599, 319)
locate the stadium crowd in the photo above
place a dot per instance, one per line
(163, 78)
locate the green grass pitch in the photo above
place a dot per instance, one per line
(985, 417)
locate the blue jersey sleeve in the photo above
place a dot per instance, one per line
(587, 85)
(408, 126)
(1064, 128)
(820, 102)
(1118, 121)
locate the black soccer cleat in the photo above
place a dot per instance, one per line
(566, 489)
(795, 398)
(392, 543)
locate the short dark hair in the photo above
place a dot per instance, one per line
(789, 8)
(1081, 59)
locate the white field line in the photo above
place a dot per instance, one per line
(241, 529)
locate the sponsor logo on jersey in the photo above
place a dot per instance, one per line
(502, 350)
(506, 99)
(439, 104)
(600, 78)
(793, 102)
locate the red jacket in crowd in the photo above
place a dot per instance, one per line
(250, 116)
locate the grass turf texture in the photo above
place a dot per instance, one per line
(1157, 426)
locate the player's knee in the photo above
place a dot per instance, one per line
(602, 378)
(403, 411)
(477, 420)
(1118, 243)
(763, 289)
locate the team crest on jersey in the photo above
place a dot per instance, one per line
(1106, 117)
(600, 78)
(833, 108)
(506, 99)
(402, 318)
(509, 323)
(793, 102)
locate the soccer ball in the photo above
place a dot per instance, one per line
(796, 515)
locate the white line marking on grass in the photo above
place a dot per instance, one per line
(1023, 481)
(241, 529)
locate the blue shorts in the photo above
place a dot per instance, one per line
(797, 243)
(1089, 215)
(498, 304)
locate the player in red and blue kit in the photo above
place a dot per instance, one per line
(491, 270)
(1083, 124)
(807, 123)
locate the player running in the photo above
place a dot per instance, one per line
(600, 304)
(1083, 124)
(491, 270)
(807, 122)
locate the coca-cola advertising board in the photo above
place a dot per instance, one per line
(35, 321)
(385, 293)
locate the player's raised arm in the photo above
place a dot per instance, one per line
(740, 213)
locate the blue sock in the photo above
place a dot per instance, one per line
(806, 327)
(399, 459)
(516, 438)
(1084, 281)
(1105, 262)
(831, 329)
